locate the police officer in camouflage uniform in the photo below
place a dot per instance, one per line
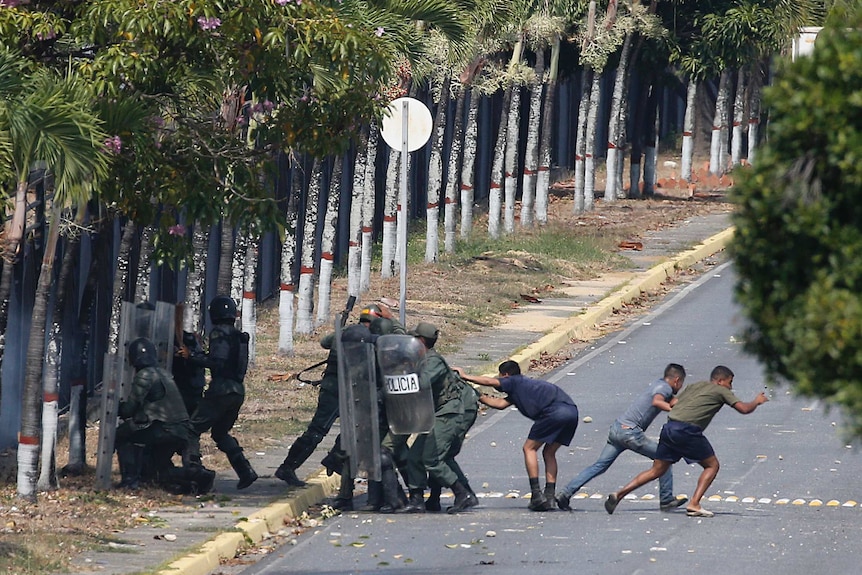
(227, 360)
(325, 414)
(431, 458)
(154, 420)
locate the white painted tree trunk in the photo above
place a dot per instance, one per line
(613, 159)
(754, 115)
(450, 205)
(368, 206)
(435, 176)
(286, 310)
(688, 130)
(305, 291)
(354, 242)
(48, 470)
(543, 177)
(581, 139)
(495, 200)
(589, 155)
(327, 245)
(142, 278)
(511, 160)
(718, 144)
(738, 119)
(238, 266)
(531, 154)
(249, 295)
(469, 161)
(390, 215)
(193, 306)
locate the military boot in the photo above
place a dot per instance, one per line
(375, 496)
(433, 502)
(243, 470)
(288, 475)
(130, 457)
(462, 498)
(415, 502)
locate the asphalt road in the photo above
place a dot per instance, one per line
(785, 500)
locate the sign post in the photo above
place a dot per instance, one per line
(406, 127)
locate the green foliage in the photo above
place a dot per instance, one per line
(798, 247)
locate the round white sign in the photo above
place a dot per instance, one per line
(419, 124)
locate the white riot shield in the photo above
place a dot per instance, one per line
(357, 404)
(409, 401)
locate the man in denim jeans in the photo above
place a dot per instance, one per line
(627, 432)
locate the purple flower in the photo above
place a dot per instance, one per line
(113, 145)
(379, 31)
(9, 3)
(177, 230)
(281, 2)
(207, 23)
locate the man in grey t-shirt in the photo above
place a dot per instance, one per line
(627, 432)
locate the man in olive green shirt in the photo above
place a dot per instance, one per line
(682, 436)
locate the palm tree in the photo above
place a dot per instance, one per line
(51, 124)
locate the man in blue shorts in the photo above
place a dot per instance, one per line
(628, 432)
(555, 416)
(682, 436)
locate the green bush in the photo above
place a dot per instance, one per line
(798, 247)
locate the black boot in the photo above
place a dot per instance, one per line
(288, 475)
(550, 494)
(538, 502)
(393, 494)
(243, 470)
(433, 502)
(462, 498)
(375, 497)
(130, 458)
(334, 461)
(415, 502)
(344, 500)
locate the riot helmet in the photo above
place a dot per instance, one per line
(369, 312)
(222, 309)
(142, 353)
(381, 326)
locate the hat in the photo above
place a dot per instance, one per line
(426, 330)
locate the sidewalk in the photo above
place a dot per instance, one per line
(200, 536)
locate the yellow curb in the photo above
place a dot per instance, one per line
(577, 326)
(260, 523)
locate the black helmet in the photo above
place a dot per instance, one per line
(369, 312)
(142, 353)
(381, 326)
(222, 309)
(357, 333)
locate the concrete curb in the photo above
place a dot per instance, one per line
(577, 326)
(272, 518)
(254, 528)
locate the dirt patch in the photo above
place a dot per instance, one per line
(458, 294)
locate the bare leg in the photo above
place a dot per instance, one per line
(707, 476)
(657, 470)
(531, 457)
(549, 454)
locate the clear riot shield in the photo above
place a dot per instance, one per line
(409, 401)
(357, 405)
(136, 321)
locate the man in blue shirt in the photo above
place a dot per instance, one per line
(628, 432)
(555, 416)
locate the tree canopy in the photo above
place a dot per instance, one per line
(798, 246)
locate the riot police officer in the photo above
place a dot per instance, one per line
(326, 412)
(227, 360)
(154, 420)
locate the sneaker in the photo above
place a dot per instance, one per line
(288, 475)
(673, 504)
(611, 503)
(563, 503)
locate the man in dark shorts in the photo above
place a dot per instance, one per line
(555, 416)
(682, 436)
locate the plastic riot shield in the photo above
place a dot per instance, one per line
(357, 400)
(155, 324)
(409, 401)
